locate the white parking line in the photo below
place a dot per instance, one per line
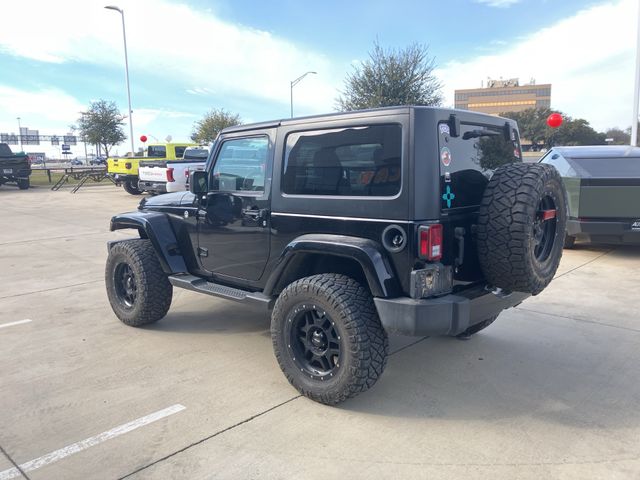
(89, 442)
(11, 324)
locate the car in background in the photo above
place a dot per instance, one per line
(76, 162)
(603, 189)
(163, 176)
(98, 161)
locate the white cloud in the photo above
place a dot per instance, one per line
(51, 108)
(588, 59)
(498, 3)
(175, 41)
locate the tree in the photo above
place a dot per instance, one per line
(619, 136)
(533, 127)
(207, 129)
(392, 77)
(102, 125)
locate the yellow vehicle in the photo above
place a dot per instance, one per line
(125, 169)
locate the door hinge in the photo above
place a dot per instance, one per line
(203, 252)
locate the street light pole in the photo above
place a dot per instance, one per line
(293, 84)
(126, 68)
(20, 135)
(636, 92)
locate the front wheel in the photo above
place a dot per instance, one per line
(131, 187)
(138, 289)
(23, 183)
(327, 337)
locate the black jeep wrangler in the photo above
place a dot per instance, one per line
(410, 220)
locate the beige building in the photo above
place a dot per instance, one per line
(501, 96)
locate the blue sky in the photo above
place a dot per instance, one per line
(189, 57)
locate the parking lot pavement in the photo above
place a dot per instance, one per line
(549, 391)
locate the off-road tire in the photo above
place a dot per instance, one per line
(131, 187)
(507, 220)
(153, 290)
(473, 329)
(569, 241)
(364, 344)
(23, 183)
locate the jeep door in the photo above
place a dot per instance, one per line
(233, 229)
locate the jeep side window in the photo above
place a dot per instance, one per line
(356, 161)
(180, 151)
(156, 151)
(241, 165)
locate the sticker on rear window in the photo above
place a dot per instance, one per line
(445, 156)
(448, 196)
(444, 128)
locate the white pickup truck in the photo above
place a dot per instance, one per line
(163, 176)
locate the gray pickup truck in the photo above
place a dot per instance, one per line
(14, 167)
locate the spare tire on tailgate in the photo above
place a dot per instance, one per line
(521, 227)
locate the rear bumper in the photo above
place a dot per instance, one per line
(601, 231)
(448, 315)
(156, 187)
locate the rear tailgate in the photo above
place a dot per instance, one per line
(13, 166)
(609, 187)
(152, 173)
(123, 166)
(614, 198)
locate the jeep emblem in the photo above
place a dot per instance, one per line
(635, 225)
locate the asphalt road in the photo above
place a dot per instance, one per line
(551, 390)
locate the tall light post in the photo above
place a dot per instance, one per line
(294, 83)
(126, 68)
(19, 134)
(636, 92)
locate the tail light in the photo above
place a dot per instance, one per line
(186, 172)
(430, 242)
(170, 175)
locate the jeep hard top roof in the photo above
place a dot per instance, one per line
(373, 112)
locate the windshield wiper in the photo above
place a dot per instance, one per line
(479, 133)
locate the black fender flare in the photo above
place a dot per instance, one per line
(369, 254)
(156, 227)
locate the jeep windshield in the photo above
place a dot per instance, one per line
(467, 161)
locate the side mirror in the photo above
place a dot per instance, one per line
(198, 182)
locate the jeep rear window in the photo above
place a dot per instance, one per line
(180, 152)
(467, 161)
(356, 161)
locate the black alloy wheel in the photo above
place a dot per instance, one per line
(314, 342)
(544, 229)
(124, 280)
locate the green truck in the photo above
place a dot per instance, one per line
(14, 167)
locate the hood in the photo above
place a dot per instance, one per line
(176, 199)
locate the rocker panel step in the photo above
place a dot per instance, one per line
(196, 284)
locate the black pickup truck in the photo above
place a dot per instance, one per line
(348, 227)
(14, 168)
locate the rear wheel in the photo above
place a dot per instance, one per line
(23, 183)
(138, 289)
(327, 337)
(521, 227)
(131, 187)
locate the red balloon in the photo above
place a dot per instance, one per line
(143, 138)
(554, 120)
